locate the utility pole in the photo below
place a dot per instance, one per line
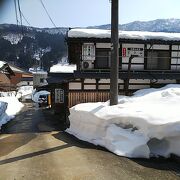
(114, 75)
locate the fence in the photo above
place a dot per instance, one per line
(7, 87)
(77, 97)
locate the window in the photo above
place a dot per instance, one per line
(158, 60)
(102, 58)
(88, 51)
(41, 80)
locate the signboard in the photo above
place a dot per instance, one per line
(124, 52)
(135, 51)
(59, 96)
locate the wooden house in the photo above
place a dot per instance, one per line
(21, 77)
(146, 59)
(6, 74)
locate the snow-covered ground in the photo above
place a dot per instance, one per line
(9, 107)
(144, 125)
(25, 92)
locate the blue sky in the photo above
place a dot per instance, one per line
(82, 13)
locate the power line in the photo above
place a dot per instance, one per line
(25, 19)
(48, 13)
(17, 22)
(21, 13)
(20, 16)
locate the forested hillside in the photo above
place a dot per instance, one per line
(28, 47)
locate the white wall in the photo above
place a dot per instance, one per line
(133, 49)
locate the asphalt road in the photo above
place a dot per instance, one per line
(33, 147)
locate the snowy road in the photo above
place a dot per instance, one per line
(31, 147)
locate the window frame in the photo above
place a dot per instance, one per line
(158, 68)
(108, 58)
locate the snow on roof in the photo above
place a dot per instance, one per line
(16, 69)
(140, 35)
(39, 72)
(63, 68)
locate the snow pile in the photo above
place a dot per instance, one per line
(144, 125)
(101, 33)
(35, 96)
(63, 68)
(25, 92)
(9, 107)
(8, 94)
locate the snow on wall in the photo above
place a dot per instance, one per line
(144, 125)
(99, 33)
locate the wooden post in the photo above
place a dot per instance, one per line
(114, 75)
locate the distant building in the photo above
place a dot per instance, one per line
(21, 78)
(6, 74)
(39, 78)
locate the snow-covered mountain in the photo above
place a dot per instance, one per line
(13, 33)
(15, 28)
(159, 25)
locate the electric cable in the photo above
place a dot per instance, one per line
(20, 16)
(15, 5)
(25, 19)
(47, 13)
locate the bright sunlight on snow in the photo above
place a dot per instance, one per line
(9, 107)
(144, 125)
(63, 68)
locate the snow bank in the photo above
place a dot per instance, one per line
(8, 94)
(9, 107)
(63, 68)
(25, 92)
(144, 125)
(101, 33)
